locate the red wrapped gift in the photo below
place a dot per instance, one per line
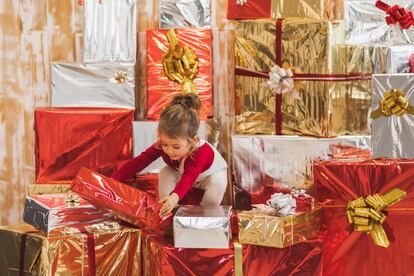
(348, 251)
(70, 138)
(160, 89)
(126, 202)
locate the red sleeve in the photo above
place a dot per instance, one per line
(193, 167)
(137, 164)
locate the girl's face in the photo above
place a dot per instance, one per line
(175, 148)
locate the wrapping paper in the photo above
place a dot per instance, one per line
(69, 138)
(160, 90)
(42, 189)
(184, 13)
(202, 227)
(264, 165)
(366, 23)
(145, 135)
(160, 257)
(345, 250)
(71, 253)
(392, 136)
(110, 30)
(49, 212)
(274, 231)
(398, 58)
(93, 85)
(127, 203)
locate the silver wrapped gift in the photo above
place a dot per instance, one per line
(184, 13)
(93, 85)
(397, 58)
(392, 115)
(365, 23)
(202, 227)
(110, 30)
(264, 165)
(145, 134)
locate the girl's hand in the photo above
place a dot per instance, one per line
(168, 203)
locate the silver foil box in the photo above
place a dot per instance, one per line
(184, 13)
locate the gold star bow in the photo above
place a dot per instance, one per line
(393, 103)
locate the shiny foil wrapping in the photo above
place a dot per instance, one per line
(264, 165)
(69, 138)
(202, 227)
(49, 212)
(397, 58)
(184, 13)
(145, 135)
(346, 251)
(160, 90)
(42, 189)
(93, 85)
(366, 23)
(392, 136)
(126, 202)
(110, 30)
(272, 231)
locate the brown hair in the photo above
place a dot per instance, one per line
(180, 119)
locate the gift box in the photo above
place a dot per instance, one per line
(347, 251)
(50, 212)
(145, 134)
(367, 23)
(101, 250)
(264, 165)
(126, 202)
(202, 227)
(256, 227)
(69, 138)
(42, 189)
(398, 59)
(167, 76)
(392, 115)
(93, 85)
(110, 31)
(183, 13)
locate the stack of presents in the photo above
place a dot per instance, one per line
(322, 180)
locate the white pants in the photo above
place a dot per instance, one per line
(214, 186)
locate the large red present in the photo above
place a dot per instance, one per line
(160, 88)
(70, 138)
(126, 202)
(347, 249)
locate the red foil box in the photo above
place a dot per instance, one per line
(70, 138)
(126, 202)
(347, 252)
(160, 89)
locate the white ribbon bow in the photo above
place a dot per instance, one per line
(281, 81)
(279, 204)
(241, 2)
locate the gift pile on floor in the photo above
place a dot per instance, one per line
(322, 130)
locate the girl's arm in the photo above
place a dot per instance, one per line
(137, 164)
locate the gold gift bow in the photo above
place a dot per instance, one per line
(393, 103)
(367, 214)
(121, 76)
(72, 200)
(180, 64)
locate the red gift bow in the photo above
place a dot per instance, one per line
(396, 14)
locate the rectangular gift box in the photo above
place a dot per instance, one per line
(102, 249)
(126, 202)
(93, 85)
(202, 226)
(110, 30)
(264, 165)
(145, 135)
(392, 115)
(160, 89)
(50, 212)
(346, 251)
(273, 231)
(184, 13)
(70, 138)
(43, 189)
(365, 23)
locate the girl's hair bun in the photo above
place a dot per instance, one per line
(189, 100)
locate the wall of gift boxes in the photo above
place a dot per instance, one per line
(298, 96)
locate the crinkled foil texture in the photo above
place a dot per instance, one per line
(184, 13)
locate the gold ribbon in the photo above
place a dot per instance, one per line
(367, 214)
(393, 103)
(238, 259)
(121, 76)
(180, 64)
(72, 200)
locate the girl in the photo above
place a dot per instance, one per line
(190, 160)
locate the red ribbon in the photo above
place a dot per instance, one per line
(396, 14)
(91, 252)
(412, 63)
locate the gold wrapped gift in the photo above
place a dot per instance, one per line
(42, 189)
(266, 230)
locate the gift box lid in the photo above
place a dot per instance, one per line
(203, 217)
